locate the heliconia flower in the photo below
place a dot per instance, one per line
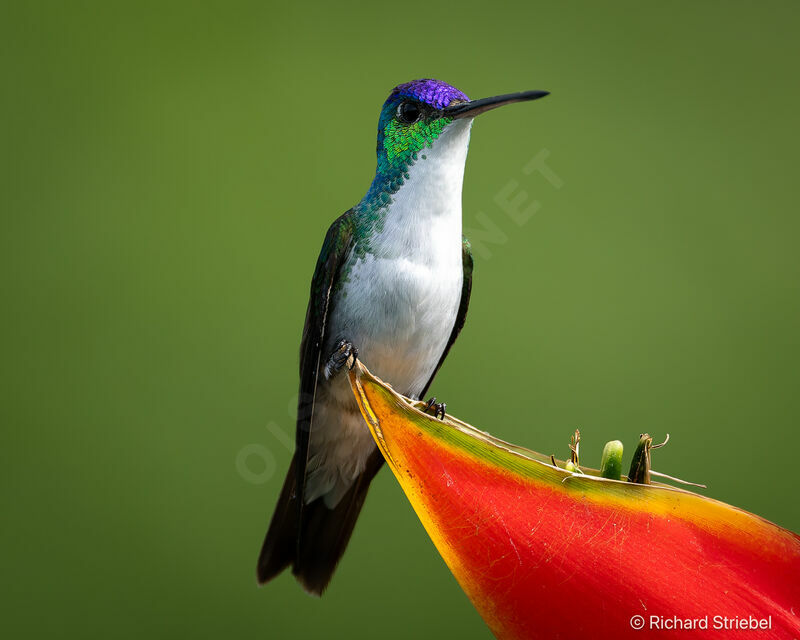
(545, 553)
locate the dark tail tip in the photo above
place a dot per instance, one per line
(324, 532)
(312, 541)
(280, 544)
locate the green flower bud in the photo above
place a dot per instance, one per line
(611, 461)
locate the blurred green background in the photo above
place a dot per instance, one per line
(168, 173)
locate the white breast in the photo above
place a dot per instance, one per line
(398, 307)
(400, 302)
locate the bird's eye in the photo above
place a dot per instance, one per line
(408, 112)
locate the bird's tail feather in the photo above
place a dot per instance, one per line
(312, 539)
(280, 543)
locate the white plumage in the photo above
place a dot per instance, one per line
(398, 307)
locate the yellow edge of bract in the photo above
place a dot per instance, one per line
(660, 500)
(451, 558)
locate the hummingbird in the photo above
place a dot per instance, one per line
(392, 285)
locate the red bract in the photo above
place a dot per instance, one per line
(543, 553)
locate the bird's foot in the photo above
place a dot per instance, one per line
(345, 355)
(439, 408)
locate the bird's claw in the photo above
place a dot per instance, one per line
(439, 408)
(345, 355)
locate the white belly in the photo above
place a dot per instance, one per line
(399, 313)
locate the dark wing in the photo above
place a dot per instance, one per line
(283, 543)
(335, 249)
(466, 291)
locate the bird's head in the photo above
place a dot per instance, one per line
(417, 113)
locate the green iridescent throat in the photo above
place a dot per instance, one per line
(402, 142)
(399, 146)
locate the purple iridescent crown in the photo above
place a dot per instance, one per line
(436, 93)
